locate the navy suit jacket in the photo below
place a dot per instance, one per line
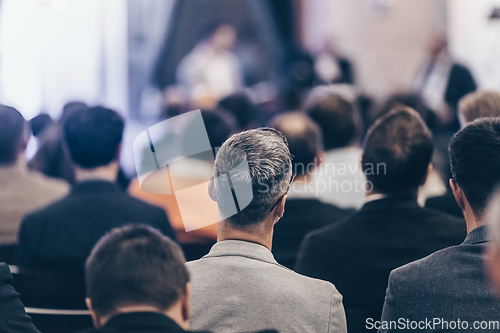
(13, 318)
(449, 285)
(358, 253)
(61, 235)
(301, 216)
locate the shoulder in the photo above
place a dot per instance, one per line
(47, 212)
(439, 219)
(441, 215)
(330, 231)
(53, 185)
(426, 268)
(135, 202)
(5, 274)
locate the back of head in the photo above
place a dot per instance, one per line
(219, 126)
(93, 136)
(40, 123)
(304, 139)
(397, 151)
(337, 119)
(481, 104)
(411, 100)
(475, 160)
(269, 173)
(12, 134)
(135, 265)
(240, 105)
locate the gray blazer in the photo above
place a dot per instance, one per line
(439, 290)
(239, 287)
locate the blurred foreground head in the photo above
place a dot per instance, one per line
(136, 268)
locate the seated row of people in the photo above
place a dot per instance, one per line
(239, 286)
(356, 253)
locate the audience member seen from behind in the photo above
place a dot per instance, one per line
(481, 104)
(61, 236)
(239, 286)
(391, 229)
(13, 317)
(454, 278)
(137, 281)
(21, 190)
(50, 157)
(339, 180)
(243, 109)
(304, 212)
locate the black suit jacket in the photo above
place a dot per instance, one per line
(61, 235)
(143, 322)
(138, 322)
(445, 203)
(301, 216)
(448, 285)
(13, 318)
(358, 253)
(460, 83)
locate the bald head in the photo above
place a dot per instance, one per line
(480, 104)
(303, 136)
(12, 134)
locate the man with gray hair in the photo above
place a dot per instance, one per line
(239, 286)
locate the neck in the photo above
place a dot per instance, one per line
(105, 172)
(20, 161)
(259, 234)
(471, 220)
(174, 313)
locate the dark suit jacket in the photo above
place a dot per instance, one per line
(445, 203)
(301, 216)
(449, 284)
(13, 318)
(142, 322)
(358, 253)
(139, 322)
(61, 235)
(460, 83)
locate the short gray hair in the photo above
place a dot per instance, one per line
(269, 172)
